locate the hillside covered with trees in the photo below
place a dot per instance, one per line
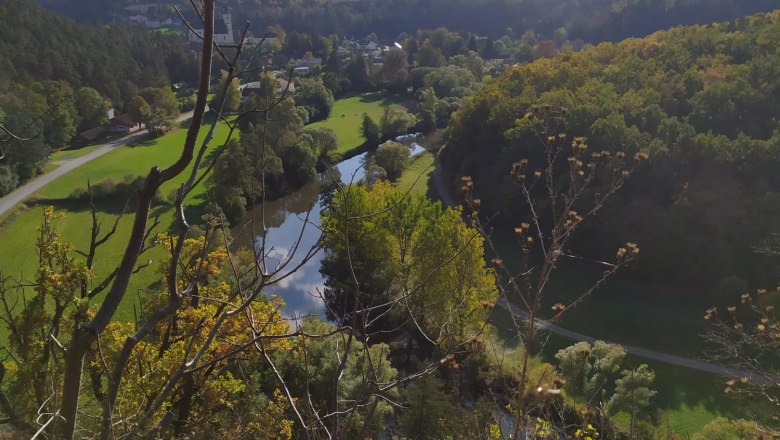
(701, 101)
(591, 20)
(360, 238)
(58, 78)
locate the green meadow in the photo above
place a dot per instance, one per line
(346, 118)
(19, 229)
(417, 175)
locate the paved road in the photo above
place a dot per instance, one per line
(448, 198)
(445, 194)
(630, 349)
(20, 194)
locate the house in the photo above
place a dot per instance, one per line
(96, 133)
(121, 124)
(93, 134)
(264, 42)
(309, 62)
(282, 86)
(223, 31)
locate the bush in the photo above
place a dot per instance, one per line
(393, 158)
(110, 188)
(8, 180)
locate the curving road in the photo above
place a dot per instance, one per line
(446, 195)
(630, 349)
(20, 194)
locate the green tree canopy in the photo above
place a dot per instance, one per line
(91, 107)
(408, 249)
(393, 157)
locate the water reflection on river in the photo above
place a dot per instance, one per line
(288, 226)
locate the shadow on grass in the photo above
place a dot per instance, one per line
(147, 140)
(114, 206)
(381, 98)
(680, 390)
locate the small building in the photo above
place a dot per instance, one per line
(223, 31)
(263, 42)
(121, 124)
(282, 87)
(93, 134)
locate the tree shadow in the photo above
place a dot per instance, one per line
(383, 99)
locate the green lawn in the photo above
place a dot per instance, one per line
(347, 117)
(417, 175)
(73, 154)
(17, 234)
(686, 401)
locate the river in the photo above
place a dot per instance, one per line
(287, 224)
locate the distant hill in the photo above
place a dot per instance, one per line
(590, 20)
(701, 100)
(37, 44)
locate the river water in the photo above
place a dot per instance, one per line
(292, 225)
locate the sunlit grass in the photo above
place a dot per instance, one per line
(346, 118)
(415, 178)
(18, 233)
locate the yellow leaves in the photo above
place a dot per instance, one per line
(587, 433)
(625, 254)
(11, 367)
(578, 145)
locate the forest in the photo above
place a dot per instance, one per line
(58, 78)
(701, 101)
(588, 20)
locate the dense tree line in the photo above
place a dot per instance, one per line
(58, 78)
(277, 153)
(700, 100)
(116, 60)
(590, 20)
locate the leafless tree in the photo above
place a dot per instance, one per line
(567, 187)
(745, 337)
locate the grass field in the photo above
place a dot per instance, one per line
(17, 234)
(686, 401)
(72, 154)
(347, 117)
(417, 175)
